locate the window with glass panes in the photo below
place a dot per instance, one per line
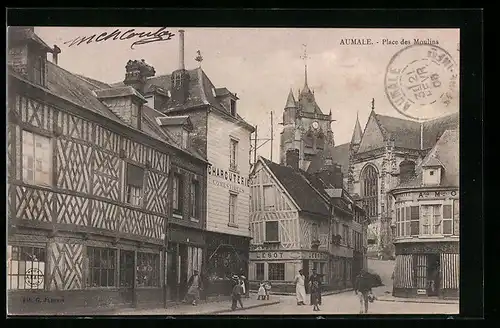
(194, 198)
(431, 220)
(272, 231)
(135, 182)
(102, 267)
(25, 267)
(456, 217)
(447, 220)
(369, 190)
(233, 154)
(177, 192)
(233, 200)
(148, 269)
(39, 70)
(37, 159)
(276, 271)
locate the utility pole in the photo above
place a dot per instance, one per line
(272, 135)
(255, 140)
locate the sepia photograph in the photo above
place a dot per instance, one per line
(232, 171)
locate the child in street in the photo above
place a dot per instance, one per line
(267, 287)
(261, 294)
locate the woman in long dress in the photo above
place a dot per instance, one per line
(300, 288)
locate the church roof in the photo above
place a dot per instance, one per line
(445, 153)
(300, 188)
(414, 135)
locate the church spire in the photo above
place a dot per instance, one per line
(356, 135)
(290, 102)
(305, 57)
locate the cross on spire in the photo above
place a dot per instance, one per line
(305, 58)
(373, 103)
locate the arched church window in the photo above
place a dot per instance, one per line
(369, 190)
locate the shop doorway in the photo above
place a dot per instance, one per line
(433, 276)
(307, 273)
(127, 276)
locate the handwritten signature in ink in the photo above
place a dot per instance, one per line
(144, 37)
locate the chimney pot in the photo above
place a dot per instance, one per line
(181, 49)
(292, 158)
(55, 54)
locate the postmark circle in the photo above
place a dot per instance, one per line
(34, 277)
(421, 82)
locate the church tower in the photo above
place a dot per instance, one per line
(305, 127)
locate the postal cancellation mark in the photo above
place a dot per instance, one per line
(420, 76)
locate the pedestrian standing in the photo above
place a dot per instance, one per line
(300, 288)
(315, 277)
(315, 291)
(195, 285)
(363, 288)
(236, 294)
(267, 287)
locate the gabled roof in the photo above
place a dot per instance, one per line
(444, 153)
(202, 92)
(299, 188)
(82, 91)
(433, 129)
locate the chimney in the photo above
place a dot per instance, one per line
(406, 170)
(292, 158)
(55, 54)
(136, 74)
(181, 49)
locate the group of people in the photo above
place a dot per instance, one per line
(362, 287)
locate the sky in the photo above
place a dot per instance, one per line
(261, 65)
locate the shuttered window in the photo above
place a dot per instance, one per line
(447, 220)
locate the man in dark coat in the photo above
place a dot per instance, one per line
(363, 286)
(315, 277)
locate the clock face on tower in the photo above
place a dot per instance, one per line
(315, 125)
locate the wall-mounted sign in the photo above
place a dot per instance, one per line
(421, 292)
(228, 176)
(426, 195)
(287, 255)
(437, 194)
(315, 256)
(230, 186)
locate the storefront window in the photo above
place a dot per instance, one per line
(102, 267)
(25, 267)
(277, 271)
(148, 269)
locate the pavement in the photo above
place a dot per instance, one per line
(208, 308)
(347, 303)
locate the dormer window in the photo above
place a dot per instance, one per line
(432, 176)
(233, 107)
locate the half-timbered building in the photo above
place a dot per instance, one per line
(98, 188)
(302, 221)
(222, 135)
(427, 215)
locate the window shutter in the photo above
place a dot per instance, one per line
(446, 212)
